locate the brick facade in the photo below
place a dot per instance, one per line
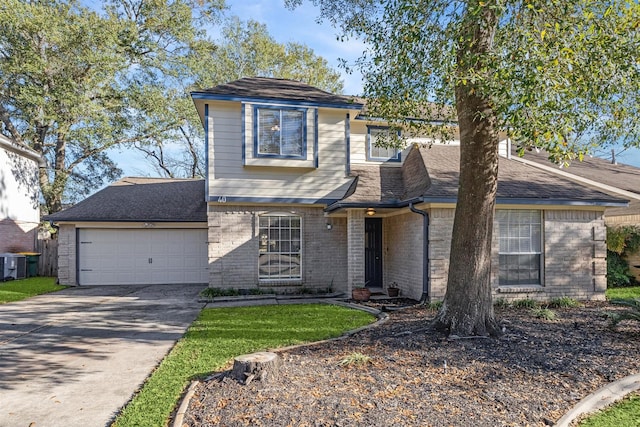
(234, 249)
(403, 253)
(355, 256)
(67, 255)
(17, 236)
(574, 256)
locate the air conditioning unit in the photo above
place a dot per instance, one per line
(13, 266)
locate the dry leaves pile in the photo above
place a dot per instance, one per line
(530, 376)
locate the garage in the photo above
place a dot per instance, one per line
(135, 231)
(134, 256)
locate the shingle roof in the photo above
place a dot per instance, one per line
(619, 176)
(277, 89)
(142, 199)
(432, 173)
(622, 176)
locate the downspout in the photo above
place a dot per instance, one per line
(425, 251)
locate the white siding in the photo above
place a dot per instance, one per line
(228, 176)
(19, 205)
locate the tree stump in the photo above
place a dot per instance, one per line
(262, 366)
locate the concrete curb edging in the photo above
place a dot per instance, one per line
(184, 404)
(382, 318)
(601, 398)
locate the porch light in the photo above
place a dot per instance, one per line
(370, 212)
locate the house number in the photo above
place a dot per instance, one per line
(222, 199)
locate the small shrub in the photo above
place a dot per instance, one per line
(618, 274)
(355, 359)
(564, 302)
(544, 313)
(436, 305)
(632, 312)
(501, 303)
(217, 292)
(526, 303)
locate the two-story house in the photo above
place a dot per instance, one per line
(298, 195)
(19, 196)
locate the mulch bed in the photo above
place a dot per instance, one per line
(530, 376)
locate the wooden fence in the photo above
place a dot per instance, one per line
(48, 262)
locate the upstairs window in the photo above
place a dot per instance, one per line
(280, 132)
(520, 247)
(376, 153)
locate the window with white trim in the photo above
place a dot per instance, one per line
(520, 253)
(280, 132)
(376, 153)
(280, 242)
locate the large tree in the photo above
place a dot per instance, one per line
(563, 75)
(75, 81)
(245, 49)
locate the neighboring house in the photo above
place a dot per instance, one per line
(298, 196)
(616, 179)
(19, 197)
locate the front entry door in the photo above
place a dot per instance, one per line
(373, 252)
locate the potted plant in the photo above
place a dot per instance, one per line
(393, 290)
(361, 294)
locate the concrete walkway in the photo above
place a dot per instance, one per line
(75, 357)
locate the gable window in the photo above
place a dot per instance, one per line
(376, 153)
(520, 250)
(279, 246)
(280, 132)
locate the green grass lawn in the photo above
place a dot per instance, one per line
(17, 290)
(627, 411)
(623, 293)
(624, 413)
(220, 334)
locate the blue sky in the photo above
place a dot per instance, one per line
(299, 25)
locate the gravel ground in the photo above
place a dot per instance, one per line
(530, 376)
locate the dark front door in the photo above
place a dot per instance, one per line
(373, 252)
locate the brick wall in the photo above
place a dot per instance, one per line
(440, 229)
(234, 248)
(403, 253)
(574, 256)
(67, 255)
(355, 256)
(17, 236)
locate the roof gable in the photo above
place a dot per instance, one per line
(270, 89)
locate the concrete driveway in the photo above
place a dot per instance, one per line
(75, 357)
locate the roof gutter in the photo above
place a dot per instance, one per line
(25, 151)
(499, 201)
(356, 205)
(426, 279)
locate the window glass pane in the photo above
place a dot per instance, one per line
(292, 138)
(268, 131)
(520, 247)
(279, 243)
(376, 152)
(280, 132)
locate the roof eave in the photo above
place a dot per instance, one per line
(235, 98)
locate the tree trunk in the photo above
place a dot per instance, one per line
(467, 309)
(262, 366)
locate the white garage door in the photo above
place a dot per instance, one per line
(159, 256)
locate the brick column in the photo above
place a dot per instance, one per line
(355, 248)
